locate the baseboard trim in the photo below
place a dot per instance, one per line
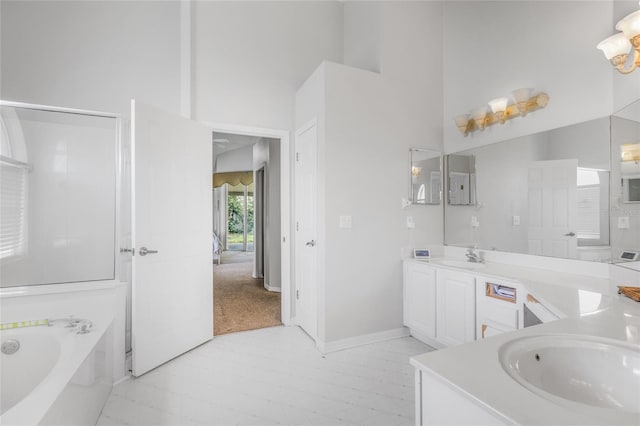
(426, 339)
(272, 288)
(364, 339)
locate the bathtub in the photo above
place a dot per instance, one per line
(57, 376)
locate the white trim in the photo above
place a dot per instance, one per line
(426, 339)
(275, 289)
(364, 339)
(59, 109)
(185, 58)
(37, 290)
(285, 202)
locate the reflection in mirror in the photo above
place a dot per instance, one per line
(426, 176)
(625, 189)
(461, 184)
(543, 194)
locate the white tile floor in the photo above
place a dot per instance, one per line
(273, 376)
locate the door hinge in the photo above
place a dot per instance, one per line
(297, 226)
(297, 156)
(297, 294)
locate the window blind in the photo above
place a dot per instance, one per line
(12, 210)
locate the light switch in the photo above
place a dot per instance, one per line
(346, 222)
(516, 220)
(410, 223)
(474, 222)
(623, 222)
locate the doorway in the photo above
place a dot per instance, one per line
(246, 218)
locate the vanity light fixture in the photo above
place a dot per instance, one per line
(630, 152)
(498, 107)
(618, 47)
(501, 110)
(415, 171)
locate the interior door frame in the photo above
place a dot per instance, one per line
(285, 203)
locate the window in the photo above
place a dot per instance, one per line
(13, 188)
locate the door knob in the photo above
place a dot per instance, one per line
(311, 243)
(570, 234)
(145, 251)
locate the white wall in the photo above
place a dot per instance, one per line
(251, 57)
(91, 55)
(492, 48)
(235, 160)
(377, 117)
(362, 35)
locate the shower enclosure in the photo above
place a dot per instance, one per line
(59, 197)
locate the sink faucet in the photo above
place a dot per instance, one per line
(474, 256)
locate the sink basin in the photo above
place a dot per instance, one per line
(461, 264)
(576, 370)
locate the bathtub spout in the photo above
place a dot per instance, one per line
(83, 326)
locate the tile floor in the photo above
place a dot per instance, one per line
(273, 376)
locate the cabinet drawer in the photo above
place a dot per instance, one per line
(501, 313)
(488, 330)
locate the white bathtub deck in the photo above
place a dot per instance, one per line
(270, 377)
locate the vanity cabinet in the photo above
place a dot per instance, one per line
(420, 300)
(456, 307)
(499, 306)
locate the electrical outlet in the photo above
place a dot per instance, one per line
(346, 222)
(516, 220)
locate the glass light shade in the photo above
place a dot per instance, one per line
(462, 120)
(479, 114)
(630, 25)
(617, 44)
(522, 95)
(498, 105)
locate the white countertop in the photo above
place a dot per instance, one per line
(588, 305)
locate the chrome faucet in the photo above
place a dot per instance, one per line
(474, 256)
(82, 326)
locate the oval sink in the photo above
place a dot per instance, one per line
(569, 369)
(461, 264)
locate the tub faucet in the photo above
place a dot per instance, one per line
(82, 326)
(473, 256)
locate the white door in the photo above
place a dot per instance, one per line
(305, 242)
(172, 299)
(552, 208)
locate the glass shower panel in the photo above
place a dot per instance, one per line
(57, 197)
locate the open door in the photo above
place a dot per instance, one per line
(172, 291)
(552, 208)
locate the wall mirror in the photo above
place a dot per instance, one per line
(568, 192)
(461, 179)
(426, 176)
(625, 178)
(544, 194)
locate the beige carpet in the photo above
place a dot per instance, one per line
(241, 302)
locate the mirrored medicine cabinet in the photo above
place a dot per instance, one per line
(426, 176)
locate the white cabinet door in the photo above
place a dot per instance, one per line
(420, 299)
(456, 307)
